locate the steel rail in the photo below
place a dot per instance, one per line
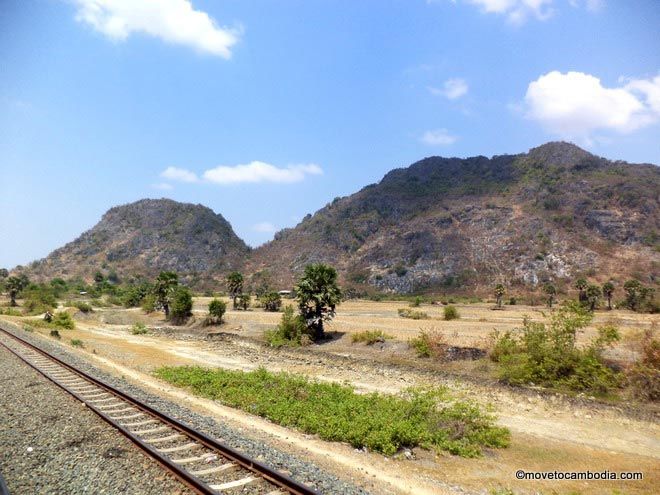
(263, 471)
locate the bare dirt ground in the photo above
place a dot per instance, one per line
(549, 431)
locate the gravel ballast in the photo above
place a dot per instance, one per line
(298, 469)
(51, 444)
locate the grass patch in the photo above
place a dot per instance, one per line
(370, 337)
(334, 412)
(139, 329)
(77, 343)
(412, 314)
(80, 305)
(10, 312)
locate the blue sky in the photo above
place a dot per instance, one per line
(266, 110)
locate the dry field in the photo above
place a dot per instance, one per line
(549, 431)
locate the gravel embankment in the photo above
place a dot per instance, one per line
(51, 444)
(298, 469)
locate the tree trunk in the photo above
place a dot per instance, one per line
(609, 302)
(166, 308)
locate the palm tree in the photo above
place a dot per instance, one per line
(551, 291)
(593, 294)
(235, 286)
(581, 285)
(499, 294)
(318, 294)
(608, 290)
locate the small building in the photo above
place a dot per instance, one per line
(285, 293)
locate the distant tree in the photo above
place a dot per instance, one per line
(500, 290)
(608, 291)
(163, 290)
(4, 273)
(15, 286)
(272, 301)
(318, 294)
(551, 291)
(182, 304)
(113, 278)
(217, 309)
(593, 294)
(98, 277)
(581, 285)
(244, 302)
(634, 293)
(235, 286)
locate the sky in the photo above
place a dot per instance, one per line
(266, 110)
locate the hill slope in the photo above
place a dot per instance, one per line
(444, 223)
(146, 237)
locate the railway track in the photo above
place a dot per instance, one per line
(204, 464)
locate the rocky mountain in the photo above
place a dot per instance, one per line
(551, 214)
(146, 237)
(443, 224)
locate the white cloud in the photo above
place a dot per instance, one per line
(173, 21)
(179, 174)
(266, 227)
(452, 89)
(257, 171)
(163, 186)
(438, 137)
(516, 11)
(591, 5)
(575, 104)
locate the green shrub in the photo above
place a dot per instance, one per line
(28, 328)
(412, 314)
(181, 308)
(291, 331)
(243, 302)
(644, 376)
(115, 300)
(415, 303)
(63, 319)
(80, 305)
(37, 300)
(148, 304)
(77, 343)
(370, 337)
(55, 334)
(271, 301)
(139, 329)
(428, 344)
(547, 355)
(217, 309)
(334, 412)
(451, 313)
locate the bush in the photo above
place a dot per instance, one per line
(412, 314)
(428, 344)
(38, 300)
(272, 301)
(370, 337)
(217, 309)
(77, 343)
(547, 355)
(63, 319)
(243, 302)
(292, 331)
(139, 329)
(181, 308)
(149, 303)
(335, 412)
(55, 334)
(10, 312)
(451, 313)
(415, 303)
(644, 376)
(80, 305)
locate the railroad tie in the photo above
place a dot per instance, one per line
(164, 439)
(234, 484)
(216, 469)
(150, 430)
(187, 446)
(140, 423)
